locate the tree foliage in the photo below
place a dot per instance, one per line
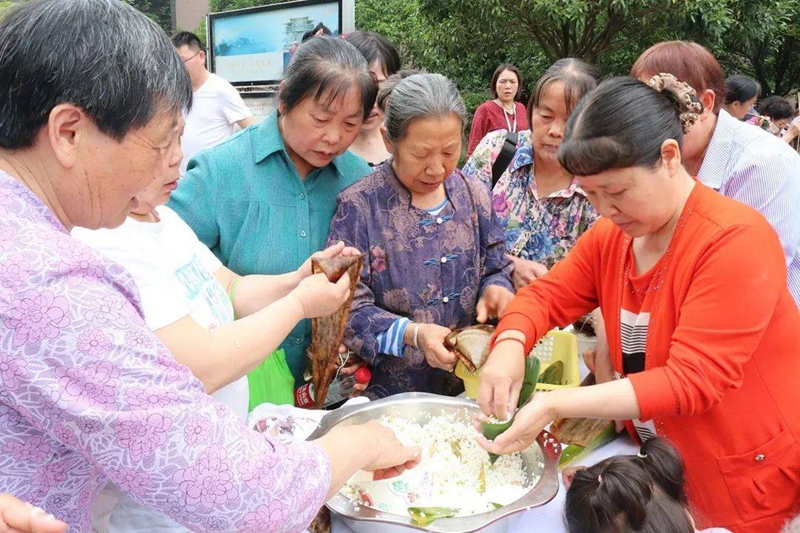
(5, 5)
(466, 40)
(756, 37)
(158, 10)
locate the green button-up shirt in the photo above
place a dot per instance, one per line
(247, 203)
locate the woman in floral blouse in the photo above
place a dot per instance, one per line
(434, 248)
(543, 212)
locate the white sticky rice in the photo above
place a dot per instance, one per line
(449, 474)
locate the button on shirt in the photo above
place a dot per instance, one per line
(416, 270)
(245, 200)
(758, 169)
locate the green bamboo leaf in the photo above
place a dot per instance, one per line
(423, 516)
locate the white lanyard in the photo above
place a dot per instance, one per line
(508, 122)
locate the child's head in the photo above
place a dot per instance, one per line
(643, 493)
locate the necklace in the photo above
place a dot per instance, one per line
(509, 125)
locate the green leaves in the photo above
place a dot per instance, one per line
(423, 516)
(492, 430)
(553, 374)
(532, 366)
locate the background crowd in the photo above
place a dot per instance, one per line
(155, 270)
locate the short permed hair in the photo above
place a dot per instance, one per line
(776, 108)
(101, 55)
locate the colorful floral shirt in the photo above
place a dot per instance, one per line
(537, 229)
(762, 122)
(431, 269)
(89, 395)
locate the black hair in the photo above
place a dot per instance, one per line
(313, 33)
(776, 108)
(739, 88)
(376, 48)
(643, 493)
(326, 66)
(101, 55)
(391, 82)
(621, 124)
(579, 78)
(499, 70)
(187, 38)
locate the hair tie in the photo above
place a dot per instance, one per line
(641, 455)
(691, 107)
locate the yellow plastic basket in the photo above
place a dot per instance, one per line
(558, 345)
(555, 346)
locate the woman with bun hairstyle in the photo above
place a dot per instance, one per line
(703, 331)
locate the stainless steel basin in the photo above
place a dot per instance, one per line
(539, 460)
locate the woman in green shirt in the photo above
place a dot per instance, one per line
(262, 200)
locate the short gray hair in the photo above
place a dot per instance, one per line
(421, 96)
(101, 55)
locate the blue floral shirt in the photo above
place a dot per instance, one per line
(538, 229)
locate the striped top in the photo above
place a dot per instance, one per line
(758, 169)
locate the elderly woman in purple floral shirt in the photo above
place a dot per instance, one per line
(88, 394)
(434, 249)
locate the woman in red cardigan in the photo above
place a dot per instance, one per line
(704, 333)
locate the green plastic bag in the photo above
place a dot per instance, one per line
(271, 382)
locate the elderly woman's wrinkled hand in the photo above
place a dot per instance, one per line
(430, 339)
(493, 302)
(501, 376)
(525, 271)
(319, 297)
(18, 516)
(333, 250)
(528, 423)
(390, 458)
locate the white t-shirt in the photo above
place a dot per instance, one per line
(174, 273)
(216, 108)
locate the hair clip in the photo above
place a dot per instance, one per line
(641, 455)
(690, 104)
(599, 478)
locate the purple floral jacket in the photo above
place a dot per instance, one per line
(431, 269)
(88, 394)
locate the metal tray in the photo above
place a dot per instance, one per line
(540, 459)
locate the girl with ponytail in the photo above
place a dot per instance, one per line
(643, 493)
(702, 328)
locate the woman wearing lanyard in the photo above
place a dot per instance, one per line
(701, 324)
(502, 112)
